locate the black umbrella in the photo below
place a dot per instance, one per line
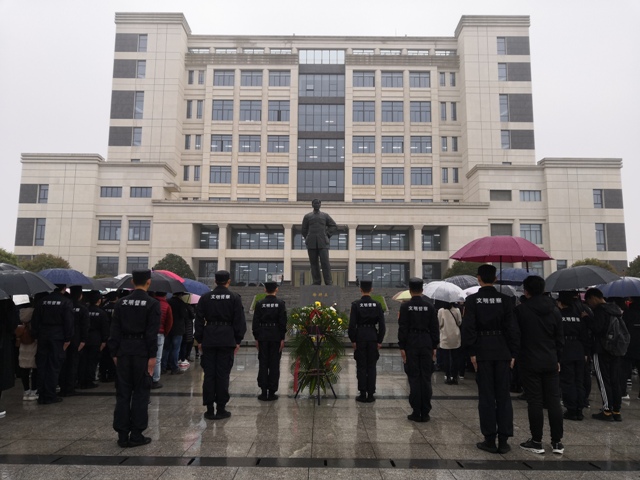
(159, 283)
(8, 266)
(575, 278)
(4, 295)
(23, 282)
(463, 281)
(104, 283)
(67, 276)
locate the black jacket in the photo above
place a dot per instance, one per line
(135, 326)
(80, 323)
(541, 334)
(418, 325)
(53, 318)
(220, 320)
(180, 314)
(577, 343)
(599, 324)
(269, 320)
(489, 331)
(98, 326)
(365, 315)
(632, 319)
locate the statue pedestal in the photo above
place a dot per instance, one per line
(325, 294)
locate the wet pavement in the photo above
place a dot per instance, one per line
(297, 438)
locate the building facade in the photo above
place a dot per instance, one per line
(415, 145)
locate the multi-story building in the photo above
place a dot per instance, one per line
(416, 145)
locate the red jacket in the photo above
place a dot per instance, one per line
(166, 316)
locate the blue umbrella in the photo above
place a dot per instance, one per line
(513, 276)
(625, 287)
(193, 286)
(66, 276)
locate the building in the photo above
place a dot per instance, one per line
(416, 145)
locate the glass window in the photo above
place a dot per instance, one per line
(250, 110)
(363, 51)
(444, 144)
(221, 143)
(502, 46)
(280, 51)
(219, 174)
(395, 275)
(321, 118)
(504, 108)
(443, 111)
(189, 108)
(254, 273)
(278, 110)
(207, 269)
(371, 239)
(392, 80)
(141, 68)
(443, 79)
(536, 268)
(531, 232)
(109, 230)
(598, 198)
(198, 142)
(419, 79)
(41, 224)
(454, 144)
(321, 57)
(196, 173)
(445, 175)
(185, 173)
(249, 175)
(223, 78)
(452, 79)
(500, 195)
(364, 145)
(364, 79)
(530, 196)
(417, 52)
(321, 85)
(390, 51)
(226, 51)
(142, 42)
(208, 237)
(561, 264)
(431, 270)
(445, 53)
(505, 139)
(140, 192)
(139, 230)
(245, 239)
(601, 238)
(321, 181)
(363, 176)
(278, 144)
(431, 240)
(200, 77)
(137, 137)
(421, 144)
(199, 108)
(137, 263)
(501, 229)
(253, 51)
(190, 74)
(111, 192)
(279, 78)
(187, 142)
(43, 193)
(392, 176)
(251, 78)
(393, 111)
(199, 51)
(277, 175)
(420, 112)
(250, 143)
(454, 111)
(364, 112)
(329, 150)
(456, 177)
(107, 266)
(502, 72)
(392, 144)
(421, 176)
(222, 110)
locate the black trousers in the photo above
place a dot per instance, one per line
(321, 255)
(366, 357)
(419, 368)
(107, 368)
(89, 357)
(572, 384)
(542, 389)
(269, 365)
(494, 401)
(216, 363)
(49, 361)
(69, 369)
(133, 389)
(607, 369)
(626, 370)
(587, 380)
(29, 377)
(451, 361)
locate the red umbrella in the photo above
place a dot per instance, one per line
(501, 248)
(170, 274)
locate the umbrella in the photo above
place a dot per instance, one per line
(159, 283)
(193, 286)
(501, 248)
(23, 282)
(67, 276)
(443, 291)
(513, 276)
(463, 281)
(170, 274)
(623, 288)
(402, 296)
(578, 277)
(4, 295)
(8, 266)
(506, 289)
(105, 283)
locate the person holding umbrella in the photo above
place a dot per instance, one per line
(9, 320)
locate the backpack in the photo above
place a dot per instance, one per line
(23, 334)
(617, 339)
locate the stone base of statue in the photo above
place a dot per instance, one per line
(325, 294)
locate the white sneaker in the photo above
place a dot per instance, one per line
(33, 395)
(25, 395)
(626, 397)
(3, 414)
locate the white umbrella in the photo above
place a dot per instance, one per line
(443, 291)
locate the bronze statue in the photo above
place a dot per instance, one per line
(317, 228)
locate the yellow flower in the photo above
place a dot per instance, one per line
(318, 304)
(340, 321)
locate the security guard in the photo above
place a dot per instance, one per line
(52, 327)
(96, 340)
(492, 339)
(418, 338)
(107, 368)
(133, 343)
(69, 372)
(366, 332)
(219, 328)
(269, 329)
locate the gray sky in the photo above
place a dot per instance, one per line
(56, 61)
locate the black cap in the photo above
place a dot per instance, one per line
(415, 284)
(93, 296)
(366, 285)
(222, 276)
(487, 270)
(270, 286)
(140, 277)
(75, 289)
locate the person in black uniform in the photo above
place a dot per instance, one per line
(269, 329)
(69, 372)
(631, 318)
(219, 328)
(96, 340)
(418, 338)
(52, 327)
(366, 332)
(133, 343)
(491, 337)
(107, 368)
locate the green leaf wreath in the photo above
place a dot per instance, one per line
(306, 326)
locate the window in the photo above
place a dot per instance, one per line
(187, 142)
(278, 110)
(254, 273)
(454, 144)
(196, 173)
(277, 175)
(190, 74)
(208, 237)
(250, 110)
(504, 108)
(321, 57)
(185, 173)
(222, 110)
(364, 145)
(454, 111)
(251, 78)
(250, 143)
(321, 118)
(371, 239)
(109, 230)
(601, 237)
(501, 229)
(414, 52)
(200, 77)
(198, 142)
(140, 192)
(419, 79)
(199, 108)
(139, 230)
(392, 80)
(321, 181)
(142, 43)
(363, 176)
(279, 78)
(136, 140)
(280, 51)
(393, 111)
(445, 53)
(43, 193)
(517, 139)
(218, 174)
(421, 144)
(561, 264)
(452, 79)
(223, 78)
(249, 175)
(321, 85)
(387, 51)
(431, 240)
(394, 275)
(226, 51)
(421, 176)
(443, 79)
(505, 139)
(221, 143)
(502, 46)
(199, 51)
(364, 112)
(443, 111)
(189, 108)
(141, 68)
(597, 199)
(278, 144)
(137, 263)
(500, 195)
(246, 239)
(502, 72)
(329, 150)
(456, 177)
(531, 232)
(420, 112)
(392, 176)
(445, 175)
(530, 196)
(392, 144)
(111, 192)
(431, 270)
(107, 266)
(363, 51)
(364, 79)
(443, 144)
(253, 51)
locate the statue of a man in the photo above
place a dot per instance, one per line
(317, 228)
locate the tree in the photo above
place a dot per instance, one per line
(634, 267)
(8, 257)
(176, 264)
(462, 268)
(44, 261)
(596, 262)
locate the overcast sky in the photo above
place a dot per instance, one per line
(56, 63)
